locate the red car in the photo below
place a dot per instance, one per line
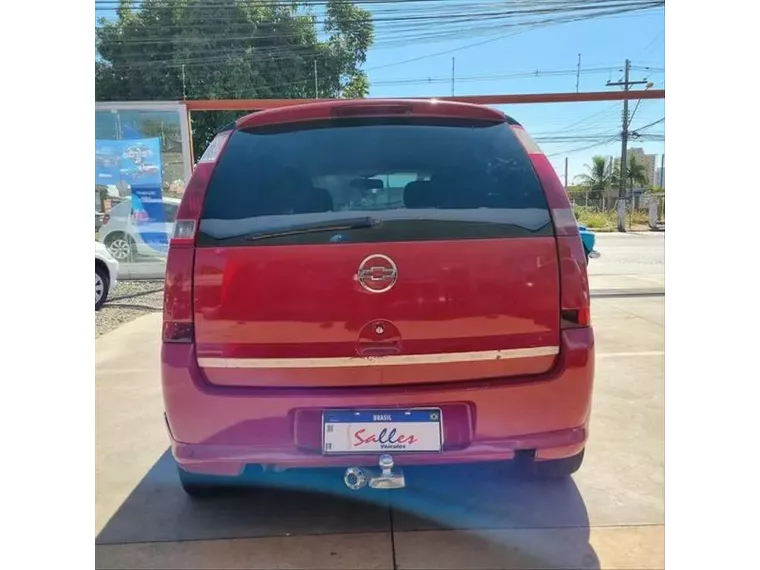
(370, 284)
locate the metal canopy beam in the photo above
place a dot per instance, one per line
(261, 104)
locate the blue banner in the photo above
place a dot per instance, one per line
(131, 162)
(149, 217)
(137, 163)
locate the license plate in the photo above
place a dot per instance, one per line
(381, 431)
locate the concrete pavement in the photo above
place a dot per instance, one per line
(610, 515)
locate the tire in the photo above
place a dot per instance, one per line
(198, 486)
(122, 246)
(553, 469)
(102, 285)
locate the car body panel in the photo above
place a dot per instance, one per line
(221, 429)
(588, 237)
(260, 340)
(102, 254)
(121, 221)
(451, 297)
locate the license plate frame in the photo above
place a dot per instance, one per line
(430, 437)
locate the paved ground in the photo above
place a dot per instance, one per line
(610, 515)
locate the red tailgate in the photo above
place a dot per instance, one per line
(299, 316)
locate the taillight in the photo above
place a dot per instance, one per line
(575, 318)
(139, 217)
(178, 288)
(178, 296)
(574, 290)
(189, 211)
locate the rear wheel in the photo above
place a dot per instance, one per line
(554, 468)
(121, 246)
(102, 284)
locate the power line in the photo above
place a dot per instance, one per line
(443, 80)
(658, 121)
(487, 18)
(311, 52)
(585, 119)
(491, 77)
(579, 149)
(273, 3)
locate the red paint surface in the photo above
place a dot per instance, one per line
(302, 302)
(220, 430)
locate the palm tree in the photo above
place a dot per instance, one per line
(599, 177)
(635, 173)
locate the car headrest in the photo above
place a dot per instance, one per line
(321, 200)
(419, 194)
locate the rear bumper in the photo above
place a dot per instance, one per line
(111, 266)
(221, 430)
(113, 272)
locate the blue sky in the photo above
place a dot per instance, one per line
(602, 43)
(503, 56)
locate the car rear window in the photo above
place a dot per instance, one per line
(420, 179)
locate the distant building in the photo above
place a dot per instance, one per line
(660, 177)
(648, 160)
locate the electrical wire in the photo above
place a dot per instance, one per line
(287, 52)
(658, 121)
(580, 149)
(437, 35)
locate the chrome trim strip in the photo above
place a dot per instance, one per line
(391, 360)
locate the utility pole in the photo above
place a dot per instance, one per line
(626, 85)
(316, 81)
(578, 75)
(453, 63)
(184, 86)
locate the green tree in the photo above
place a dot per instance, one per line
(599, 177)
(635, 173)
(231, 49)
(357, 87)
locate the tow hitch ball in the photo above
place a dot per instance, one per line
(355, 477)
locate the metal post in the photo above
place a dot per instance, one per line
(316, 81)
(184, 86)
(453, 63)
(578, 75)
(566, 187)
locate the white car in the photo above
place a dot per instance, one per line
(106, 274)
(121, 233)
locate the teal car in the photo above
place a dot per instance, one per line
(589, 241)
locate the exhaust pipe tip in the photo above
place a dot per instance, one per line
(355, 478)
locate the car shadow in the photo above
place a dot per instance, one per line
(488, 501)
(510, 521)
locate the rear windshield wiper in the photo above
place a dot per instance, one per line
(316, 227)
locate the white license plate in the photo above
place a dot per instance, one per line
(381, 431)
